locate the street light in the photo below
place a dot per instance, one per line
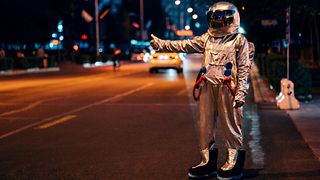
(189, 10)
(187, 27)
(142, 20)
(197, 24)
(96, 5)
(177, 2)
(195, 16)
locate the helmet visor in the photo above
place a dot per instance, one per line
(220, 18)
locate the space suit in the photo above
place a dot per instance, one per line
(226, 54)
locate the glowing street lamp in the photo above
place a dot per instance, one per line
(189, 10)
(195, 16)
(187, 27)
(54, 35)
(55, 42)
(177, 2)
(75, 47)
(60, 28)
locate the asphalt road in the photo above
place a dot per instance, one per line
(128, 124)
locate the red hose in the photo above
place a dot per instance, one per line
(225, 81)
(196, 86)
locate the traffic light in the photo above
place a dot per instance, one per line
(136, 25)
(84, 37)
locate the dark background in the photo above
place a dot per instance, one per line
(34, 21)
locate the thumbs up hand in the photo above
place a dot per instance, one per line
(155, 42)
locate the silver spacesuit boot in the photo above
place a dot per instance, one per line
(233, 167)
(226, 57)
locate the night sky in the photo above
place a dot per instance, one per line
(28, 20)
(34, 20)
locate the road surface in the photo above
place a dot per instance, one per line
(99, 123)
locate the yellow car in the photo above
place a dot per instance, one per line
(162, 60)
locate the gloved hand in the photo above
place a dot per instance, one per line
(154, 42)
(237, 104)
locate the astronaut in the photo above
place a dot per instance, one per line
(226, 54)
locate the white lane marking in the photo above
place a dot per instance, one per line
(55, 122)
(30, 106)
(255, 133)
(182, 92)
(73, 111)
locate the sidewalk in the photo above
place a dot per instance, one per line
(63, 66)
(52, 69)
(306, 119)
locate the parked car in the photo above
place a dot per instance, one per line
(165, 60)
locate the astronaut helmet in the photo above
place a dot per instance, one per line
(223, 19)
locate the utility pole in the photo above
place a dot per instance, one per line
(142, 20)
(96, 6)
(288, 39)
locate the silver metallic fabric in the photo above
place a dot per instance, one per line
(231, 159)
(251, 57)
(217, 52)
(216, 100)
(252, 50)
(204, 158)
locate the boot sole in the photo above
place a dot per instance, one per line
(230, 178)
(213, 174)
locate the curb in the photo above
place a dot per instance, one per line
(263, 94)
(28, 71)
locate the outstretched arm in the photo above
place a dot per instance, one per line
(195, 45)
